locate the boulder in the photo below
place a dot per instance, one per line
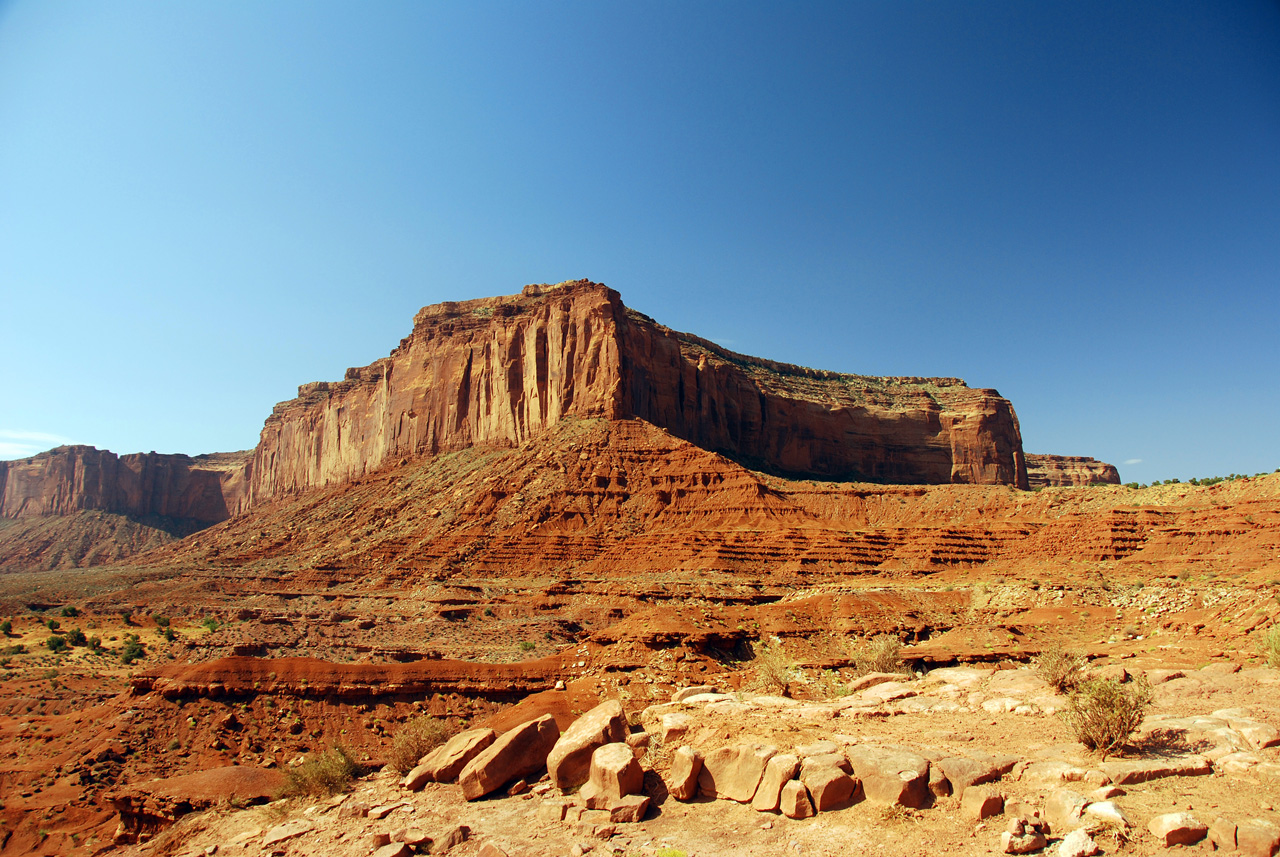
(794, 801)
(733, 773)
(778, 771)
(1064, 810)
(512, 756)
(1257, 838)
(614, 773)
(393, 849)
(829, 787)
(685, 692)
(1222, 833)
(674, 726)
(827, 760)
(1177, 828)
(569, 762)
(965, 771)
(682, 779)
(629, 809)
(981, 803)
(892, 776)
(1078, 843)
(452, 837)
(444, 763)
(1106, 811)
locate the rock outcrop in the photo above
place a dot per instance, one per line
(199, 491)
(1053, 471)
(502, 371)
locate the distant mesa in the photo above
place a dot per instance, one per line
(504, 371)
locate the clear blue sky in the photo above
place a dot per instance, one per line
(203, 205)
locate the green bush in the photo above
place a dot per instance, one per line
(1270, 646)
(882, 654)
(1059, 667)
(527, 646)
(773, 667)
(132, 650)
(210, 624)
(75, 637)
(323, 775)
(1103, 713)
(416, 738)
(6, 627)
(51, 624)
(162, 621)
(56, 644)
(69, 612)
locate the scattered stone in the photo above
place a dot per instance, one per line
(682, 779)
(817, 748)
(963, 771)
(1106, 793)
(870, 680)
(488, 849)
(674, 726)
(628, 809)
(778, 771)
(445, 763)
(827, 760)
(1078, 843)
(892, 776)
(1177, 828)
(516, 754)
(452, 837)
(794, 801)
(980, 803)
(1222, 833)
(519, 787)
(733, 773)
(638, 742)
(683, 694)
(1162, 676)
(393, 849)
(829, 787)
(354, 809)
(569, 762)
(1107, 811)
(614, 773)
(284, 832)
(374, 841)
(1257, 838)
(551, 811)
(1064, 810)
(413, 837)
(1025, 843)
(380, 812)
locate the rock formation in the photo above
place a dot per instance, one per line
(202, 490)
(1051, 471)
(501, 371)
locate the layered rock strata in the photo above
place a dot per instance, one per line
(502, 371)
(69, 479)
(1052, 471)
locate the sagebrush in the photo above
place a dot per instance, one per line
(774, 669)
(416, 738)
(321, 775)
(1060, 667)
(881, 654)
(1270, 646)
(1103, 713)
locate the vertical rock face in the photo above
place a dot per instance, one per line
(69, 479)
(1049, 471)
(501, 371)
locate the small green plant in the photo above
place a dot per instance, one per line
(94, 643)
(51, 624)
(416, 738)
(6, 627)
(56, 644)
(1103, 713)
(76, 637)
(132, 650)
(167, 633)
(69, 612)
(670, 852)
(162, 621)
(527, 646)
(126, 616)
(882, 654)
(1269, 646)
(774, 669)
(210, 624)
(1059, 667)
(328, 773)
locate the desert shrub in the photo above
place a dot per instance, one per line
(69, 612)
(829, 685)
(527, 646)
(6, 627)
(1103, 713)
(94, 643)
(126, 616)
(322, 775)
(167, 633)
(1060, 667)
(1270, 646)
(52, 624)
(132, 649)
(414, 739)
(56, 644)
(774, 669)
(881, 654)
(210, 624)
(76, 637)
(162, 621)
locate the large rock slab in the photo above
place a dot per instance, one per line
(1127, 772)
(734, 773)
(514, 755)
(682, 779)
(569, 762)
(829, 787)
(444, 763)
(1257, 838)
(778, 771)
(1177, 828)
(148, 807)
(614, 773)
(890, 775)
(965, 771)
(794, 801)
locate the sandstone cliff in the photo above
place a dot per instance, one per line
(69, 479)
(1047, 471)
(501, 371)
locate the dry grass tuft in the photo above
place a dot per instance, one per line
(1103, 713)
(1060, 667)
(323, 775)
(416, 738)
(1269, 646)
(774, 669)
(882, 654)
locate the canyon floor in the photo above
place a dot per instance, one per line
(493, 586)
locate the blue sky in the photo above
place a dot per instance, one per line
(1078, 204)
